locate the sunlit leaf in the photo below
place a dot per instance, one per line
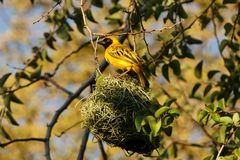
(168, 102)
(221, 104)
(201, 115)
(160, 111)
(236, 118)
(174, 112)
(139, 118)
(215, 117)
(222, 134)
(226, 120)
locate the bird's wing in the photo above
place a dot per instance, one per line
(124, 53)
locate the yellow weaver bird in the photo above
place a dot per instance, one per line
(123, 58)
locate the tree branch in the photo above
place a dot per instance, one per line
(83, 145)
(22, 140)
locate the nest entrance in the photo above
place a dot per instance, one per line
(109, 113)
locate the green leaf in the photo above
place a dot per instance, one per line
(4, 79)
(37, 73)
(14, 98)
(165, 72)
(191, 40)
(221, 104)
(195, 88)
(209, 157)
(222, 134)
(175, 65)
(226, 120)
(152, 122)
(90, 16)
(50, 40)
(211, 107)
(63, 33)
(174, 112)
(7, 102)
(204, 19)
(228, 27)
(236, 152)
(138, 121)
(157, 128)
(198, 69)
(115, 9)
(236, 118)
(167, 121)
(168, 130)
(4, 134)
(168, 102)
(234, 46)
(207, 89)
(223, 44)
(10, 118)
(78, 19)
(161, 111)
(212, 73)
(97, 3)
(201, 115)
(181, 12)
(158, 12)
(215, 117)
(229, 1)
(186, 51)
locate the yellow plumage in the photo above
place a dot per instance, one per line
(122, 57)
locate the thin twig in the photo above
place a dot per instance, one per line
(22, 140)
(48, 12)
(82, 2)
(136, 33)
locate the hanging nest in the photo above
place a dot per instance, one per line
(109, 113)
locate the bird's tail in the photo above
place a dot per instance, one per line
(142, 78)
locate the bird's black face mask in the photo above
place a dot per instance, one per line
(105, 42)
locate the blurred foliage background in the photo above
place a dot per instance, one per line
(192, 55)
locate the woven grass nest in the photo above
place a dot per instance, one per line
(109, 113)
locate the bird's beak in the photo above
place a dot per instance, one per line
(102, 42)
